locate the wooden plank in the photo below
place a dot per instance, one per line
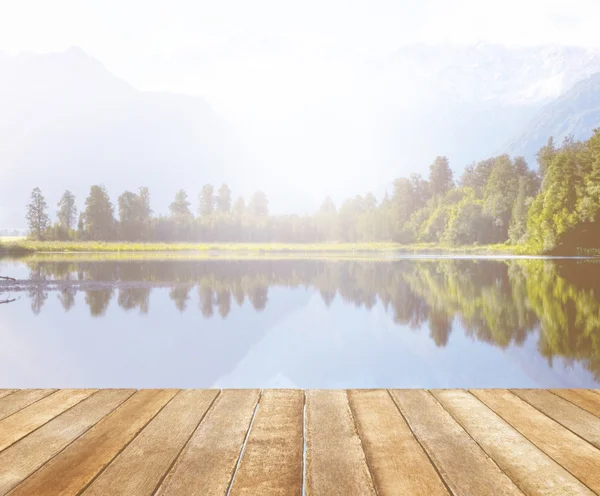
(140, 468)
(272, 460)
(21, 399)
(335, 461)
(529, 468)
(30, 453)
(464, 466)
(398, 463)
(583, 398)
(582, 423)
(576, 455)
(207, 463)
(73, 468)
(6, 392)
(37, 414)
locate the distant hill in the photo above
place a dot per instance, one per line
(66, 122)
(576, 112)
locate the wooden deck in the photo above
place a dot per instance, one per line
(293, 442)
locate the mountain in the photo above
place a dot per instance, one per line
(467, 102)
(67, 122)
(576, 112)
(302, 123)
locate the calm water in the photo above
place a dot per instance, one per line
(82, 321)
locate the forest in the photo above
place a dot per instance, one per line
(551, 208)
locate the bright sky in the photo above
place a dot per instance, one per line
(267, 61)
(120, 32)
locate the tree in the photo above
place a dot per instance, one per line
(546, 155)
(224, 199)
(67, 213)
(327, 207)
(98, 217)
(259, 205)
(518, 221)
(206, 201)
(239, 207)
(181, 206)
(133, 215)
(37, 216)
(440, 176)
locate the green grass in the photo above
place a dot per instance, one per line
(210, 249)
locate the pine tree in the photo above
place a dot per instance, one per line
(67, 213)
(206, 201)
(224, 199)
(181, 206)
(98, 216)
(440, 176)
(37, 216)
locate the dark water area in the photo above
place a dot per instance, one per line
(401, 323)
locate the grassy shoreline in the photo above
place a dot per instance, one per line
(29, 247)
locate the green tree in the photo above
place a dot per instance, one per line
(546, 155)
(180, 207)
(37, 215)
(259, 205)
(67, 212)
(98, 216)
(134, 214)
(206, 201)
(440, 176)
(224, 199)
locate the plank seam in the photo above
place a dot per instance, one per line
(532, 442)
(355, 429)
(49, 420)
(12, 392)
(164, 476)
(552, 418)
(30, 404)
(572, 403)
(72, 441)
(475, 441)
(304, 444)
(239, 461)
(414, 435)
(101, 471)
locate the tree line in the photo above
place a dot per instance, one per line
(496, 200)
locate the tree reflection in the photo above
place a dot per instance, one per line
(497, 302)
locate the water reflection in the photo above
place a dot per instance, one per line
(503, 303)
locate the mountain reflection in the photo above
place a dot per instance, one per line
(498, 302)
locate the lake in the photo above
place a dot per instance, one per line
(181, 321)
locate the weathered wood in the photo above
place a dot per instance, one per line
(141, 466)
(398, 463)
(17, 401)
(272, 460)
(576, 419)
(76, 466)
(6, 392)
(335, 461)
(21, 423)
(528, 467)
(207, 463)
(465, 467)
(30, 453)
(588, 400)
(576, 455)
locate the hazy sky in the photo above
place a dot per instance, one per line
(264, 63)
(119, 32)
